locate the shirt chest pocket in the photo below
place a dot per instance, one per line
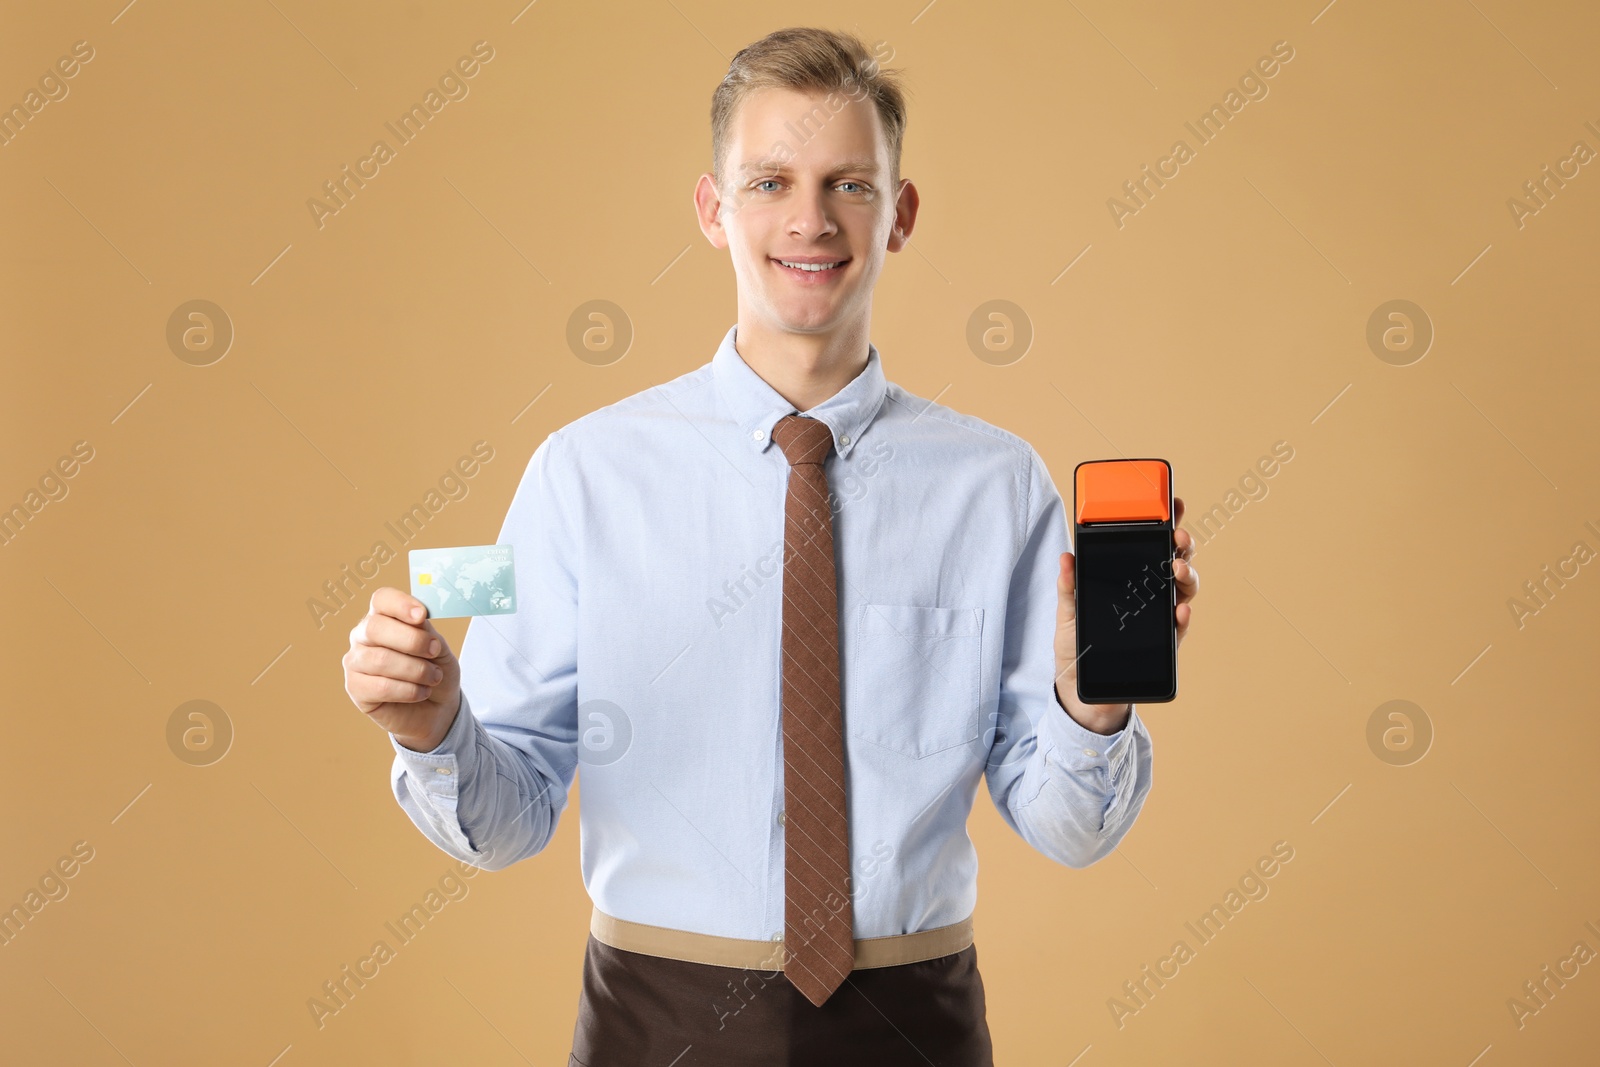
(912, 683)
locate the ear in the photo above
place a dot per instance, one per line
(905, 215)
(708, 205)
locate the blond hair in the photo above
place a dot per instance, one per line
(809, 60)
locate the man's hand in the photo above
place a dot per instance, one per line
(401, 672)
(1109, 718)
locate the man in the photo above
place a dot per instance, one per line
(788, 617)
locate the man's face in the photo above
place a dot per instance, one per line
(804, 181)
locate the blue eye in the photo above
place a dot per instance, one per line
(773, 181)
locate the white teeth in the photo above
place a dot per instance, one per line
(811, 266)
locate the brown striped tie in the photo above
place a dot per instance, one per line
(818, 920)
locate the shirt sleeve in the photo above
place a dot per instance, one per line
(493, 790)
(1069, 792)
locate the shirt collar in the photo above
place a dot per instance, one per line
(757, 407)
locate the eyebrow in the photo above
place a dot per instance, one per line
(772, 166)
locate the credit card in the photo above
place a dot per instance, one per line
(474, 580)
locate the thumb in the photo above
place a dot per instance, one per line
(1066, 643)
(1067, 587)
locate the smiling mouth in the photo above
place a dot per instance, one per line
(811, 268)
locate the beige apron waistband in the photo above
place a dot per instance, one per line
(887, 951)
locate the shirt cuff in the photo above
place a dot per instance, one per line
(440, 768)
(1077, 747)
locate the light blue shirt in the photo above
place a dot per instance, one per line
(648, 545)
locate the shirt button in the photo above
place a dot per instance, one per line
(845, 439)
(782, 819)
(758, 434)
(442, 770)
(777, 937)
(1090, 752)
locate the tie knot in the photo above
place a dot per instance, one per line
(803, 439)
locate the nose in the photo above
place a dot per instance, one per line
(809, 216)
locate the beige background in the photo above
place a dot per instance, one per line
(1228, 314)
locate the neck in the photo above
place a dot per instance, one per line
(803, 368)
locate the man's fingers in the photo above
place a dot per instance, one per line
(398, 604)
(382, 662)
(1185, 543)
(434, 643)
(376, 690)
(383, 631)
(1188, 579)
